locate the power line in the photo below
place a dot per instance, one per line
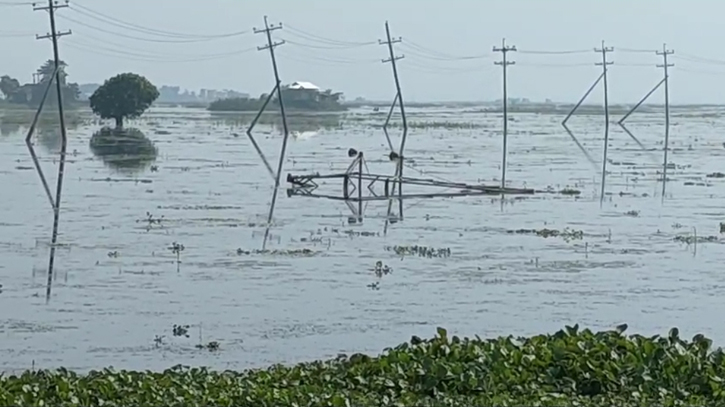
(151, 56)
(307, 57)
(325, 40)
(504, 50)
(139, 28)
(421, 51)
(132, 37)
(563, 52)
(325, 47)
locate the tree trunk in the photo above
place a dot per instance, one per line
(119, 122)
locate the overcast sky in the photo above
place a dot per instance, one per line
(333, 43)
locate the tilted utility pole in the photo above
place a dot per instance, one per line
(604, 50)
(271, 45)
(504, 50)
(664, 53)
(392, 59)
(54, 35)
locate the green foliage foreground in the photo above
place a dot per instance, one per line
(570, 367)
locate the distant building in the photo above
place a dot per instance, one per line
(302, 91)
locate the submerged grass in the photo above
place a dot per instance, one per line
(570, 367)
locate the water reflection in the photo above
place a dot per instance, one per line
(125, 150)
(296, 122)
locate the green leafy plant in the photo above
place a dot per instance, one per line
(572, 367)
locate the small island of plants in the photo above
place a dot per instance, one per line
(572, 367)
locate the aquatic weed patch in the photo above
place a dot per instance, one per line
(280, 252)
(420, 251)
(566, 234)
(570, 367)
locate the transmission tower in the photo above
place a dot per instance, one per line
(504, 50)
(55, 201)
(276, 90)
(604, 51)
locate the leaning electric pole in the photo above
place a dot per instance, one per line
(53, 35)
(504, 50)
(604, 50)
(392, 59)
(664, 53)
(271, 45)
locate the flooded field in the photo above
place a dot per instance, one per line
(491, 269)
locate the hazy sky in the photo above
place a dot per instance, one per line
(334, 45)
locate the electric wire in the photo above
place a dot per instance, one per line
(131, 37)
(318, 38)
(153, 53)
(83, 10)
(147, 57)
(324, 47)
(561, 52)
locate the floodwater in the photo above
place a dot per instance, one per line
(116, 286)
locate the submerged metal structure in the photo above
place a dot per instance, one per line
(357, 178)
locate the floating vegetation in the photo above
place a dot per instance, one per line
(382, 269)
(566, 234)
(571, 367)
(374, 286)
(288, 252)
(359, 233)
(420, 251)
(151, 221)
(181, 330)
(159, 340)
(570, 191)
(694, 239)
(440, 125)
(212, 346)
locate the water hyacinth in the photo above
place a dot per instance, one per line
(570, 367)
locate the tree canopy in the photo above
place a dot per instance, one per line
(32, 93)
(125, 96)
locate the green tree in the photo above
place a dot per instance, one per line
(8, 86)
(45, 72)
(125, 96)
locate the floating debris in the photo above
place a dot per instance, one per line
(567, 234)
(722, 227)
(421, 251)
(212, 346)
(357, 233)
(382, 269)
(716, 175)
(288, 252)
(632, 213)
(181, 330)
(692, 239)
(374, 286)
(570, 191)
(159, 340)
